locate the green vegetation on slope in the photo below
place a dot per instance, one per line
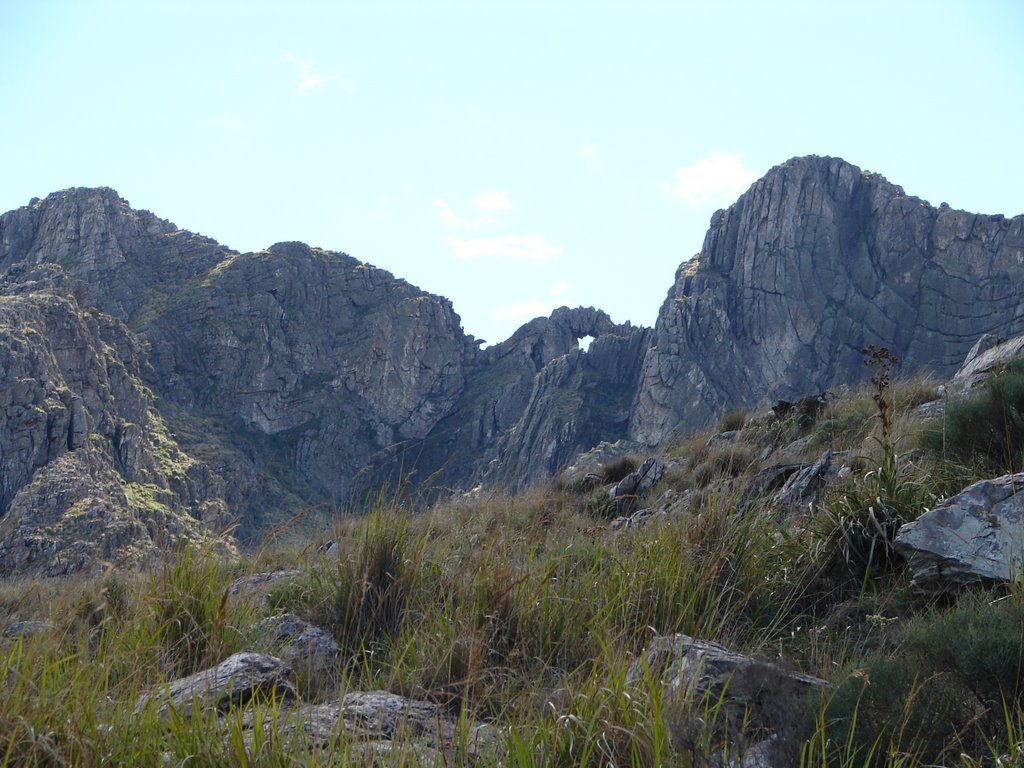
(526, 612)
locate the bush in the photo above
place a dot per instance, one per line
(988, 427)
(945, 691)
(733, 420)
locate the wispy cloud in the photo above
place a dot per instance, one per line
(492, 201)
(528, 247)
(309, 78)
(588, 151)
(446, 214)
(718, 178)
(560, 288)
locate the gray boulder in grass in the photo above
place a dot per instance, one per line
(975, 537)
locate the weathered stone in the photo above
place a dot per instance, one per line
(802, 488)
(989, 354)
(27, 629)
(592, 462)
(383, 724)
(636, 484)
(233, 683)
(759, 700)
(814, 262)
(308, 649)
(975, 537)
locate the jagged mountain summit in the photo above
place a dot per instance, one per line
(815, 261)
(157, 385)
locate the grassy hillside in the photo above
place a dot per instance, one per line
(526, 612)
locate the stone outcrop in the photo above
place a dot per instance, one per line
(975, 537)
(988, 355)
(815, 261)
(534, 402)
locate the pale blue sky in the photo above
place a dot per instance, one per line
(513, 156)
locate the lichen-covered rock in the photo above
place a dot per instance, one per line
(975, 537)
(815, 261)
(88, 475)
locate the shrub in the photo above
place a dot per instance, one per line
(733, 420)
(945, 691)
(988, 427)
(618, 469)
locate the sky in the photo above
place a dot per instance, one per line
(511, 156)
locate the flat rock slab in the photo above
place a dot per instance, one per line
(975, 537)
(233, 683)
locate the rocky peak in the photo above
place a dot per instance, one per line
(112, 255)
(815, 261)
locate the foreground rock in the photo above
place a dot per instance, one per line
(385, 725)
(975, 537)
(309, 650)
(761, 703)
(235, 682)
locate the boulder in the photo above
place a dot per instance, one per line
(259, 583)
(975, 537)
(234, 682)
(384, 725)
(636, 484)
(308, 649)
(802, 488)
(759, 700)
(990, 353)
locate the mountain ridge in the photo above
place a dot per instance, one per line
(295, 376)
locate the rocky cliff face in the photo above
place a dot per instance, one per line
(88, 474)
(155, 385)
(815, 261)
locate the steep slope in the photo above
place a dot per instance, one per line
(533, 402)
(815, 261)
(88, 473)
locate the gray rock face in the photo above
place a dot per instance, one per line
(815, 261)
(975, 537)
(331, 364)
(88, 476)
(534, 402)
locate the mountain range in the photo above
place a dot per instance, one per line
(156, 385)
